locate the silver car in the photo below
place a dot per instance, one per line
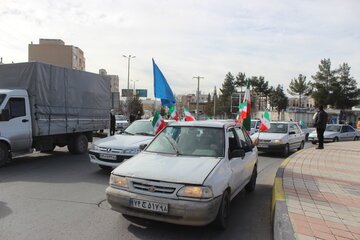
(187, 175)
(109, 152)
(336, 132)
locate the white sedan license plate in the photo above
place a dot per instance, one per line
(148, 205)
(263, 145)
(107, 156)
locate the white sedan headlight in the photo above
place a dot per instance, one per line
(119, 181)
(95, 147)
(195, 192)
(276, 141)
(131, 151)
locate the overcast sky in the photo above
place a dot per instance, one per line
(275, 39)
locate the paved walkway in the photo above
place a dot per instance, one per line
(322, 192)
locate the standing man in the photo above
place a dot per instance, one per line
(112, 122)
(320, 124)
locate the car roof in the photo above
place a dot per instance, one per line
(206, 123)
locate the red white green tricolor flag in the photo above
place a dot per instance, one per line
(173, 113)
(247, 114)
(188, 116)
(265, 122)
(158, 122)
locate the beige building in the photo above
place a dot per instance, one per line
(54, 51)
(114, 80)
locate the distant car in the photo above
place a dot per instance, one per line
(121, 122)
(306, 130)
(187, 175)
(281, 137)
(255, 125)
(336, 132)
(109, 152)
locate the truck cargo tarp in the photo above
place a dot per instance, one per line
(62, 100)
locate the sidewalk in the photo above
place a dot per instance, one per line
(321, 189)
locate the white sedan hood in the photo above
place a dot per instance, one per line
(123, 141)
(326, 134)
(168, 168)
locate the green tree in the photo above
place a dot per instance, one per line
(240, 82)
(346, 88)
(136, 106)
(228, 88)
(261, 88)
(324, 85)
(278, 99)
(208, 108)
(300, 87)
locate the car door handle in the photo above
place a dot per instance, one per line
(25, 120)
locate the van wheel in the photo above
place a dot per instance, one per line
(222, 218)
(4, 154)
(79, 145)
(336, 139)
(313, 142)
(286, 151)
(250, 187)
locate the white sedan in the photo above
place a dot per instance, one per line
(187, 175)
(336, 132)
(281, 137)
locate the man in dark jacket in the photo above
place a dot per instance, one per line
(320, 124)
(112, 122)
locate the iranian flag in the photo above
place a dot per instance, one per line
(188, 116)
(247, 100)
(158, 122)
(265, 122)
(173, 113)
(243, 110)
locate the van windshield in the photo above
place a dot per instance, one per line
(2, 98)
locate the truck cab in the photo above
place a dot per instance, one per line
(15, 120)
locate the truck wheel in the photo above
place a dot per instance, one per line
(222, 217)
(250, 187)
(79, 145)
(4, 154)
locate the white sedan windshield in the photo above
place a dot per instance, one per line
(333, 128)
(278, 128)
(140, 128)
(190, 141)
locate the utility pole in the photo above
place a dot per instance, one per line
(128, 83)
(197, 97)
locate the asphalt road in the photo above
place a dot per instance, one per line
(62, 196)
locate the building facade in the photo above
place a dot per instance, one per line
(54, 51)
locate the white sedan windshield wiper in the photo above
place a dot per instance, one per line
(173, 145)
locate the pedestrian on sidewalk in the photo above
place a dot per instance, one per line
(320, 124)
(112, 122)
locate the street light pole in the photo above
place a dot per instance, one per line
(128, 82)
(197, 97)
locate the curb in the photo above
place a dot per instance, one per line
(282, 227)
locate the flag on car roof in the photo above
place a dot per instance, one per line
(162, 89)
(247, 120)
(265, 122)
(173, 113)
(243, 110)
(158, 122)
(188, 116)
